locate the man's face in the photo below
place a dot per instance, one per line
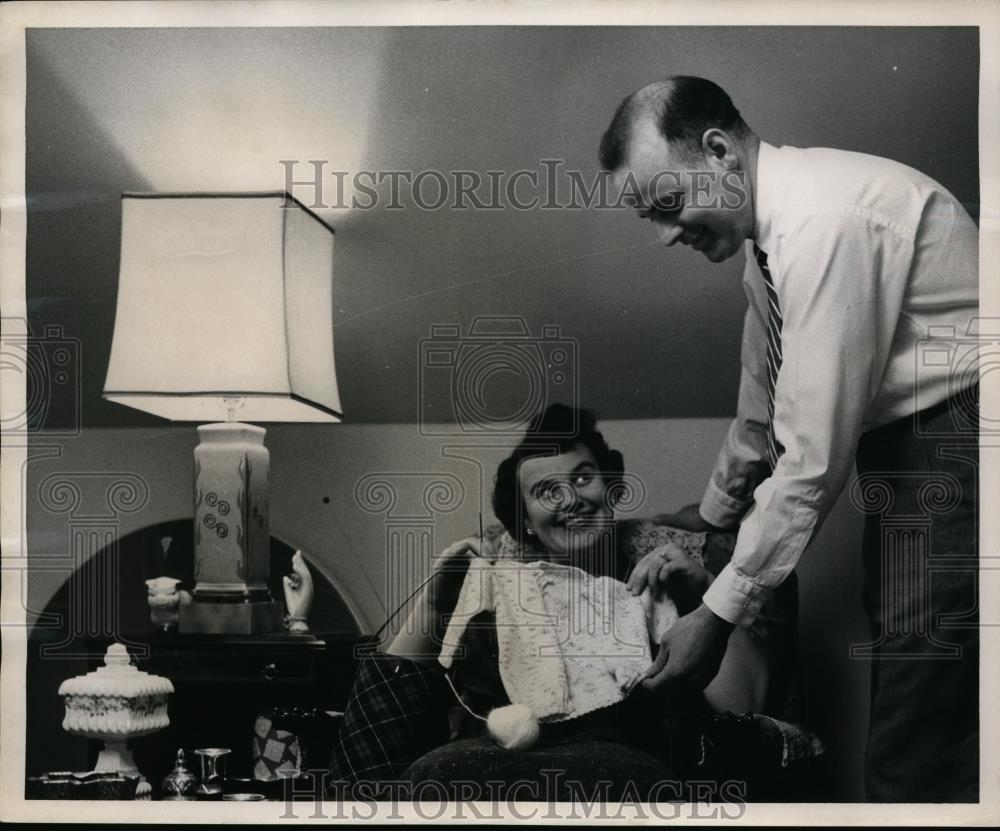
(704, 204)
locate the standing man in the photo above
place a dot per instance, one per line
(853, 262)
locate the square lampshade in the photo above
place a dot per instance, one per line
(224, 296)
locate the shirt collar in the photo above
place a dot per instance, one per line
(766, 195)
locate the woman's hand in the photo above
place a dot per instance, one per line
(688, 579)
(422, 637)
(449, 571)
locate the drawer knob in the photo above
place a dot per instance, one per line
(270, 671)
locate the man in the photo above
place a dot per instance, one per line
(853, 262)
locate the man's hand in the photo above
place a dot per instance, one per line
(687, 519)
(691, 652)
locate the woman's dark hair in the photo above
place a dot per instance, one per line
(557, 429)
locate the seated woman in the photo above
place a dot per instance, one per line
(556, 496)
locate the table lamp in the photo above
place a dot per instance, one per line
(225, 315)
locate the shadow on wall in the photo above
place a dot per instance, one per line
(75, 176)
(532, 94)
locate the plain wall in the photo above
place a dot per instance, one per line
(655, 333)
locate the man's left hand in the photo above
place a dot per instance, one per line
(690, 652)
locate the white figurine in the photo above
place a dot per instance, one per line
(298, 595)
(165, 600)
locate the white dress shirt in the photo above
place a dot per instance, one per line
(876, 270)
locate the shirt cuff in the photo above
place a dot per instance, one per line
(734, 597)
(720, 509)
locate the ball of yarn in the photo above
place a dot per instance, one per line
(513, 727)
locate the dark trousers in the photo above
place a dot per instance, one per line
(918, 486)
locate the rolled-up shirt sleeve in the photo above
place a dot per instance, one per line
(828, 274)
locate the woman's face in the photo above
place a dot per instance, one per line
(565, 501)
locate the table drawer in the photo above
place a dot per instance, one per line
(236, 668)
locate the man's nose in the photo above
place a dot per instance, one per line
(668, 232)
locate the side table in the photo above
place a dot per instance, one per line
(222, 683)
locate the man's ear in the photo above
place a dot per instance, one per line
(720, 148)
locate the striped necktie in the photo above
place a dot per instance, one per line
(774, 449)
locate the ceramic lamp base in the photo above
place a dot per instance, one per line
(232, 543)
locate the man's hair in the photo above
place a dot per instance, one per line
(557, 429)
(683, 107)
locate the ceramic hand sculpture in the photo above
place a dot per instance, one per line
(298, 595)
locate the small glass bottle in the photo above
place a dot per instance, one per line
(180, 783)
